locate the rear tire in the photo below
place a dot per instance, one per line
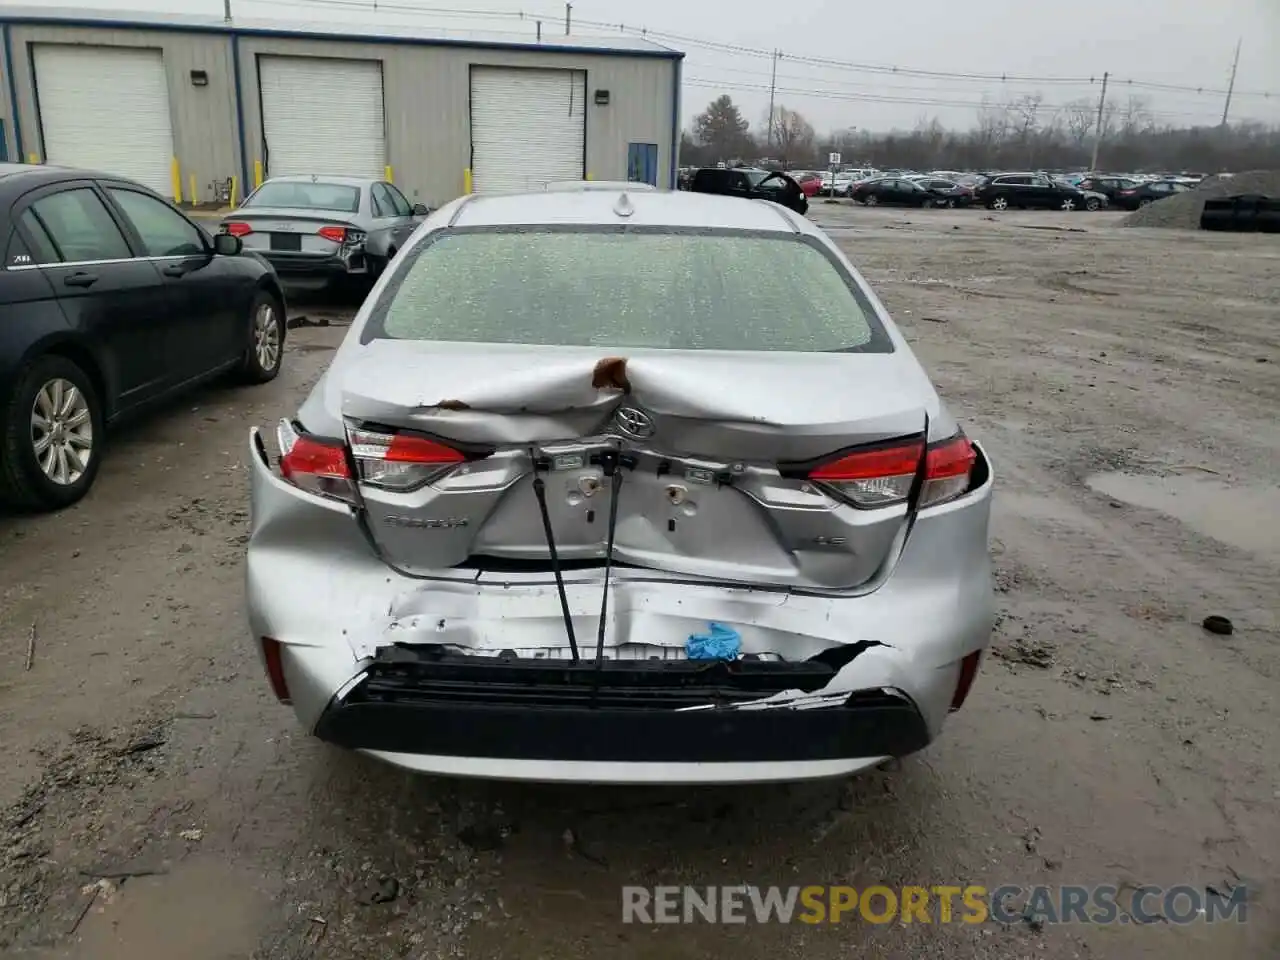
(1145, 202)
(265, 352)
(1092, 204)
(871, 200)
(53, 465)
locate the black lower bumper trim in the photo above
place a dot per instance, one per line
(868, 724)
(306, 266)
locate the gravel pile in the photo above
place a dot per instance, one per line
(1182, 211)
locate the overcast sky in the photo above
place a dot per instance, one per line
(1177, 43)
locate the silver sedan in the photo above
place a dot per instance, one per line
(622, 486)
(316, 229)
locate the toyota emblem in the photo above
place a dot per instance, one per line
(634, 423)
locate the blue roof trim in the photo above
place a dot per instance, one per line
(244, 150)
(13, 94)
(233, 30)
(675, 124)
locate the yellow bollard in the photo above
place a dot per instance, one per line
(257, 174)
(33, 158)
(466, 180)
(191, 182)
(175, 174)
(387, 174)
(235, 184)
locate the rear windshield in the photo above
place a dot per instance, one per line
(307, 196)
(628, 287)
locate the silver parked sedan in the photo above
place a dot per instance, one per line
(314, 230)
(622, 487)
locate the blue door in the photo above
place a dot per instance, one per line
(642, 163)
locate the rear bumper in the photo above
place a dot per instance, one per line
(495, 709)
(303, 266)
(425, 673)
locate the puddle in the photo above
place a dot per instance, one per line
(201, 910)
(1244, 517)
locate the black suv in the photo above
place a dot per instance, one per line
(751, 184)
(1004, 190)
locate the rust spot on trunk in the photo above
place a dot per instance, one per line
(452, 405)
(611, 373)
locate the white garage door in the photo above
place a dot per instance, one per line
(323, 116)
(528, 127)
(106, 109)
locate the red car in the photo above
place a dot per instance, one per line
(810, 183)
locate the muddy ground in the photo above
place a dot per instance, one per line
(1125, 383)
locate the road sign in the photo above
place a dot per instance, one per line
(833, 158)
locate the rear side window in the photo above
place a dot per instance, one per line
(38, 248)
(381, 201)
(79, 227)
(688, 290)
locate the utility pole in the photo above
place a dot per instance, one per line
(1226, 108)
(773, 85)
(568, 13)
(1097, 133)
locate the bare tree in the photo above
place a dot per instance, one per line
(1080, 117)
(993, 123)
(1026, 115)
(1135, 116)
(792, 133)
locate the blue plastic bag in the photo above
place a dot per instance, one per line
(718, 643)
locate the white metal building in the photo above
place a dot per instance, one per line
(182, 103)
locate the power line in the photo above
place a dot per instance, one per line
(758, 52)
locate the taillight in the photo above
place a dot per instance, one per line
(882, 476)
(317, 465)
(272, 657)
(1127, 193)
(336, 234)
(237, 228)
(399, 461)
(968, 673)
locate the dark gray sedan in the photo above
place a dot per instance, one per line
(315, 230)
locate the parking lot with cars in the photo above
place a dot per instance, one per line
(159, 802)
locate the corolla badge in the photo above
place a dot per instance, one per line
(633, 423)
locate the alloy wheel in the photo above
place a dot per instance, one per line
(266, 336)
(1000, 203)
(61, 431)
(1068, 204)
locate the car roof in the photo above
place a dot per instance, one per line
(342, 181)
(19, 178)
(650, 208)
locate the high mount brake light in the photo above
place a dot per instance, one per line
(882, 477)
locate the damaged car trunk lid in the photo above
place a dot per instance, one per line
(707, 490)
